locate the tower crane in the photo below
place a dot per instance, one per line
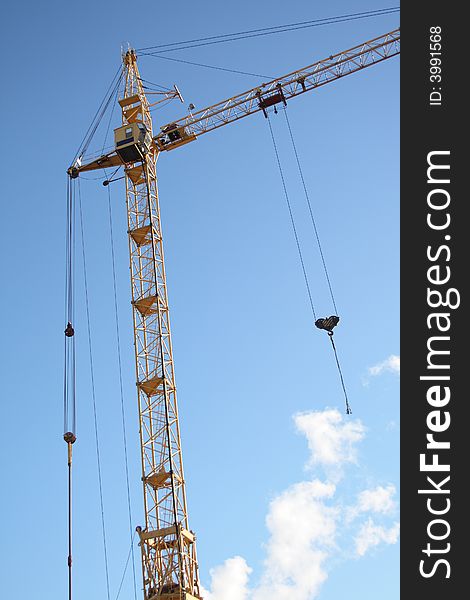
(168, 545)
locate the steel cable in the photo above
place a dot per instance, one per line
(95, 416)
(297, 241)
(123, 421)
(230, 37)
(307, 197)
(348, 408)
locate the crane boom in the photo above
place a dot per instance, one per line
(169, 563)
(279, 90)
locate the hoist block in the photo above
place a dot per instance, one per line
(328, 323)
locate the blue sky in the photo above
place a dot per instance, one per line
(259, 395)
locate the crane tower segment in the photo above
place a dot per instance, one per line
(169, 564)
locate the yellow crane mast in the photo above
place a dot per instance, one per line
(168, 545)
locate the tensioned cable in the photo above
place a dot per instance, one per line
(69, 366)
(330, 333)
(121, 389)
(69, 508)
(253, 36)
(229, 37)
(69, 349)
(307, 197)
(69, 253)
(131, 552)
(95, 417)
(99, 114)
(115, 95)
(93, 178)
(348, 408)
(188, 62)
(160, 106)
(156, 85)
(297, 241)
(299, 166)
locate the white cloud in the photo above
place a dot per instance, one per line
(308, 523)
(371, 535)
(331, 439)
(229, 581)
(378, 500)
(391, 364)
(302, 529)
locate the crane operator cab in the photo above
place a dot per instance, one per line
(132, 141)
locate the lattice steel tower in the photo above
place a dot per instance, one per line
(168, 546)
(169, 564)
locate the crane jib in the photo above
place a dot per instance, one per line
(188, 128)
(267, 94)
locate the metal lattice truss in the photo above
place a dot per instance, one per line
(279, 90)
(167, 544)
